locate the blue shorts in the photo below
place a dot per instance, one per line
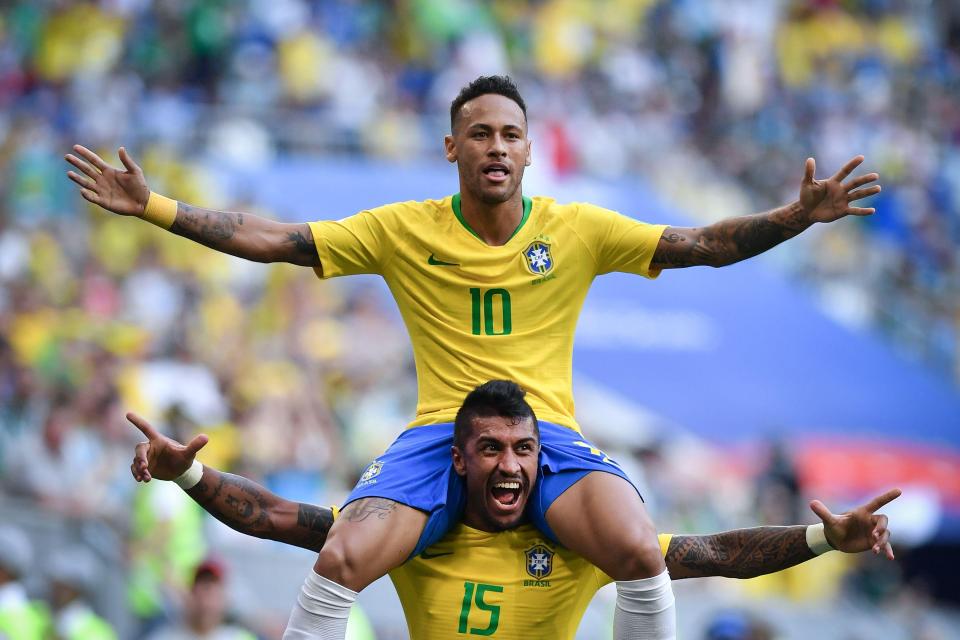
(417, 471)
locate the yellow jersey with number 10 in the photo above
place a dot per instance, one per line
(477, 312)
(512, 585)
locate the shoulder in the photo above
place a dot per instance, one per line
(570, 212)
(413, 208)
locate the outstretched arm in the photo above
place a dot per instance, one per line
(238, 502)
(125, 192)
(748, 553)
(736, 239)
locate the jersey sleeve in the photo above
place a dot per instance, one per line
(361, 243)
(619, 243)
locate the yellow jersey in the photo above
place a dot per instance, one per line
(477, 312)
(512, 584)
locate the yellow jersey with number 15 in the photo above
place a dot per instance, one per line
(511, 585)
(477, 312)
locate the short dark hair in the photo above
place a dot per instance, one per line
(502, 398)
(500, 85)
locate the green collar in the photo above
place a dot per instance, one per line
(527, 207)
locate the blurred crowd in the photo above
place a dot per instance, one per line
(299, 382)
(716, 102)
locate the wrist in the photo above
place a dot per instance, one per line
(160, 210)
(817, 539)
(189, 478)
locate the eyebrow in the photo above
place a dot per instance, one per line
(487, 127)
(483, 440)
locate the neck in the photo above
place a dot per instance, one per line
(494, 223)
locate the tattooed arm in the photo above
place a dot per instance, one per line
(743, 553)
(247, 236)
(736, 239)
(747, 553)
(239, 503)
(124, 191)
(247, 507)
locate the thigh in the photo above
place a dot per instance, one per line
(585, 501)
(602, 518)
(371, 537)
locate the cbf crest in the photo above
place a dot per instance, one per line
(539, 561)
(539, 258)
(370, 473)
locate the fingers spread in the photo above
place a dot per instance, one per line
(83, 166)
(859, 181)
(83, 181)
(883, 499)
(863, 193)
(91, 157)
(90, 196)
(127, 161)
(847, 168)
(144, 426)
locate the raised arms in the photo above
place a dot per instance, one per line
(125, 192)
(748, 553)
(249, 508)
(239, 503)
(735, 239)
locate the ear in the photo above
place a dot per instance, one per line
(450, 148)
(459, 464)
(529, 159)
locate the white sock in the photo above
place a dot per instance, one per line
(321, 612)
(645, 609)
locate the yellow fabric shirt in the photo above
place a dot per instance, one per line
(511, 584)
(476, 312)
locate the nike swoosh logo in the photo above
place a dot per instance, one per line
(440, 263)
(426, 555)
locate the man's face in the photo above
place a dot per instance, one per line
(499, 462)
(490, 146)
(206, 604)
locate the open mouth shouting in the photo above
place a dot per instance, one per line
(507, 498)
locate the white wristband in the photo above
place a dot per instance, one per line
(189, 478)
(817, 539)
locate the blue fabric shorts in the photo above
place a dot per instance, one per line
(417, 471)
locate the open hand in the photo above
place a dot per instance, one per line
(121, 191)
(860, 529)
(161, 457)
(829, 200)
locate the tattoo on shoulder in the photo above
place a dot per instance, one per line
(366, 508)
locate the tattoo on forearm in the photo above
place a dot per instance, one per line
(235, 501)
(204, 225)
(301, 244)
(245, 506)
(313, 525)
(729, 241)
(743, 553)
(365, 508)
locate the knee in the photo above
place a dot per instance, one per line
(641, 558)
